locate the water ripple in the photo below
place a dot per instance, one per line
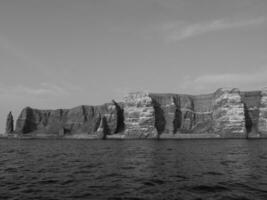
(146, 169)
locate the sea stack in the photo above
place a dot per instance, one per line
(9, 123)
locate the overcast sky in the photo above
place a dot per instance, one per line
(64, 53)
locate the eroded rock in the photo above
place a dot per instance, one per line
(9, 123)
(175, 113)
(225, 113)
(251, 102)
(228, 113)
(262, 124)
(139, 116)
(103, 129)
(78, 120)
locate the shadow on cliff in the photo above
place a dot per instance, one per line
(248, 120)
(120, 118)
(29, 125)
(160, 121)
(177, 122)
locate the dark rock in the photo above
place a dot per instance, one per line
(82, 119)
(164, 112)
(27, 120)
(9, 123)
(120, 117)
(251, 102)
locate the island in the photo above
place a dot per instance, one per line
(226, 113)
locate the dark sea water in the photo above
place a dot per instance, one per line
(133, 169)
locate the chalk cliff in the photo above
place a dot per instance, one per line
(226, 113)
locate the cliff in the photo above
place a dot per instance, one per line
(139, 115)
(78, 120)
(226, 113)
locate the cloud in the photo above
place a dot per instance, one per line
(178, 31)
(42, 90)
(211, 82)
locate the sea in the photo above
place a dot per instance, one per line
(133, 169)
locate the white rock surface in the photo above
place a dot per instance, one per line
(262, 123)
(228, 115)
(139, 117)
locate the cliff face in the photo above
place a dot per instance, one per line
(262, 122)
(139, 116)
(227, 113)
(252, 103)
(82, 119)
(182, 113)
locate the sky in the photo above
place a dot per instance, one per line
(65, 53)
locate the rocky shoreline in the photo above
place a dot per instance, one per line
(226, 113)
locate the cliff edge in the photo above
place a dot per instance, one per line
(226, 113)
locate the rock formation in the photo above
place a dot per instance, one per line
(82, 119)
(262, 123)
(251, 102)
(9, 123)
(139, 116)
(102, 130)
(227, 113)
(182, 113)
